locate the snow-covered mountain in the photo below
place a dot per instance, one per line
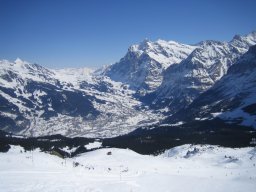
(151, 79)
(232, 98)
(184, 82)
(39, 101)
(143, 65)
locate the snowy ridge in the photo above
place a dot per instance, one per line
(184, 82)
(13, 73)
(243, 42)
(164, 52)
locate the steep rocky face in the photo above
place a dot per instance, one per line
(184, 82)
(143, 65)
(232, 98)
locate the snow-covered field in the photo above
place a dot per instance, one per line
(185, 168)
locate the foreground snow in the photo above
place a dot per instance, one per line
(184, 168)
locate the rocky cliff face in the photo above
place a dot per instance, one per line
(143, 66)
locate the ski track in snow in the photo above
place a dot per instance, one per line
(183, 168)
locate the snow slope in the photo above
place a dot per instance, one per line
(184, 168)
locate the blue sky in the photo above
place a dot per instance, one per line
(92, 33)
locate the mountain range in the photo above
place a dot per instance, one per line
(154, 83)
(232, 98)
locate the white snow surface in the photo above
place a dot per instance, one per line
(94, 145)
(185, 168)
(74, 75)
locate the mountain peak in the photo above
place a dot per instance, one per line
(252, 34)
(140, 46)
(237, 37)
(21, 62)
(145, 62)
(240, 37)
(146, 40)
(244, 41)
(18, 61)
